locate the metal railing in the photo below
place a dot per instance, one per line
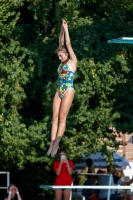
(7, 180)
(103, 187)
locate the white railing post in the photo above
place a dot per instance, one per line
(109, 190)
(7, 180)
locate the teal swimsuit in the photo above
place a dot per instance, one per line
(65, 79)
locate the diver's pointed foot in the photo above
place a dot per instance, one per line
(50, 148)
(55, 146)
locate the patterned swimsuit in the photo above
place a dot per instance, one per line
(65, 79)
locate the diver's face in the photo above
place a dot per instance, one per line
(62, 56)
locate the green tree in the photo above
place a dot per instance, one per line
(21, 42)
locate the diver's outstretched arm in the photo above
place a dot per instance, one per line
(61, 37)
(68, 42)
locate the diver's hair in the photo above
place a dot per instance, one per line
(12, 184)
(62, 48)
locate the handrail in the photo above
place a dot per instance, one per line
(86, 187)
(7, 179)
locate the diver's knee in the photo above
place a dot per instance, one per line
(55, 118)
(62, 117)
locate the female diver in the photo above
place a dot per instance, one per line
(65, 92)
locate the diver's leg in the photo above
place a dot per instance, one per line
(65, 105)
